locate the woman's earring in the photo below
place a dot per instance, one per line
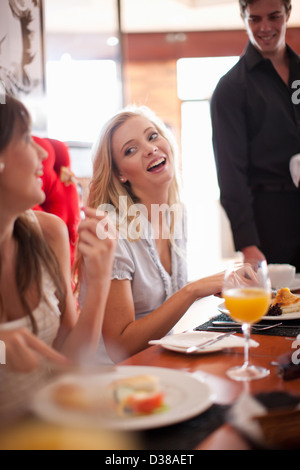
(2, 167)
(123, 180)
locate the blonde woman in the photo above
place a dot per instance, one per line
(135, 172)
(39, 323)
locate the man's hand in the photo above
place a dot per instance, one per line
(252, 253)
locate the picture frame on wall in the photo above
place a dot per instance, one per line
(22, 62)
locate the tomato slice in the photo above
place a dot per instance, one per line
(145, 403)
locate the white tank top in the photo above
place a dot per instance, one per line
(16, 388)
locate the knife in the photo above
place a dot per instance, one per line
(207, 343)
(232, 328)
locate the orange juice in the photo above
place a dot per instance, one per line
(247, 305)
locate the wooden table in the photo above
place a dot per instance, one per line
(212, 368)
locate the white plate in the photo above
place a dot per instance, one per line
(181, 342)
(185, 397)
(295, 284)
(287, 316)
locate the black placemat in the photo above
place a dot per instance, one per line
(186, 435)
(191, 433)
(277, 400)
(283, 330)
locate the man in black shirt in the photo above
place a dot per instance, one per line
(255, 114)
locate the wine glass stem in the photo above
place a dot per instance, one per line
(247, 331)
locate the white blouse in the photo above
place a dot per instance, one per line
(151, 285)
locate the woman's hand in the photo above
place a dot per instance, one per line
(211, 285)
(97, 242)
(25, 352)
(79, 336)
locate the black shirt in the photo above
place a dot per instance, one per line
(256, 131)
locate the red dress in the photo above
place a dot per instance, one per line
(60, 187)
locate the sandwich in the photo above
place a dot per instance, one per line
(73, 396)
(136, 396)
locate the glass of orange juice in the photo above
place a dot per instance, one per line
(247, 294)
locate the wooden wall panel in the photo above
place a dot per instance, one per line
(154, 84)
(150, 65)
(161, 46)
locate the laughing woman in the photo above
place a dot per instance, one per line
(135, 158)
(39, 324)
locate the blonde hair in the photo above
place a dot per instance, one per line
(105, 187)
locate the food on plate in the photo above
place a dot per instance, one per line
(76, 397)
(125, 397)
(284, 302)
(135, 396)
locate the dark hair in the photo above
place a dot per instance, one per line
(13, 117)
(33, 251)
(245, 3)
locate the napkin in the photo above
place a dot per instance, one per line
(241, 414)
(196, 338)
(295, 169)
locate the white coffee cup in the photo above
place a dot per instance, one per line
(281, 275)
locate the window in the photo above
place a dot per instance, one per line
(81, 96)
(209, 233)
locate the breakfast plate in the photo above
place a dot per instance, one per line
(185, 398)
(181, 342)
(287, 316)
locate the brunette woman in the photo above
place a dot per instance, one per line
(39, 323)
